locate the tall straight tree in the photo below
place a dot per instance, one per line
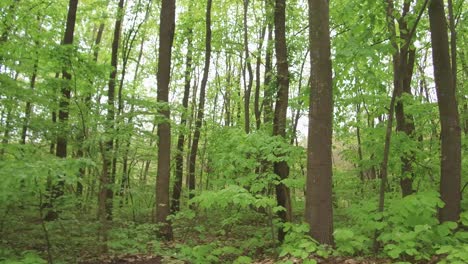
(267, 94)
(318, 209)
(201, 103)
(61, 147)
(281, 168)
(106, 193)
(166, 37)
(450, 174)
(179, 170)
(248, 85)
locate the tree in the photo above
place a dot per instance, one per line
(318, 209)
(450, 170)
(179, 170)
(201, 103)
(281, 168)
(62, 141)
(166, 37)
(247, 85)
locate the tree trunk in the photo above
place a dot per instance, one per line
(61, 146)
(166, 36)
(257, 110)
(179, 169)
(319, 210)
(106, 192)
(268, 85)
(403, 65)
(248, 88)
(450, 174)
(201, 106)
(279, 121)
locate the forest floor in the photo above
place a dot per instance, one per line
(148, 259)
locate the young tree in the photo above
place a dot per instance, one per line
(201, 103)
(179, 170)
(106, 193)
(248, 85)
(267, 102)
(166, 37)
(61, 147)
(281, 168)
(450, 170)
(318, 209)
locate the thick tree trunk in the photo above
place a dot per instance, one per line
(450, 174)
(166, 36)
(201, 106)
(279, 121)
(319, 210)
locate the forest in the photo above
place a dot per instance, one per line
(233, 131)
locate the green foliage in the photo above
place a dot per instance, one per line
(456, 254)
(349, 243)
(27, 257)
(132, 238)
(299, 244)
(412, 227)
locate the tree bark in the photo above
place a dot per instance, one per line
(279, 120)
(166, 36)
(450, 173)
(319, 210)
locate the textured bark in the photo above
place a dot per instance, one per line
(166, 36)
(61, 146)
(450, 174)
(201, 105)
(279, 120)
(319, 210)
(179, 169)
